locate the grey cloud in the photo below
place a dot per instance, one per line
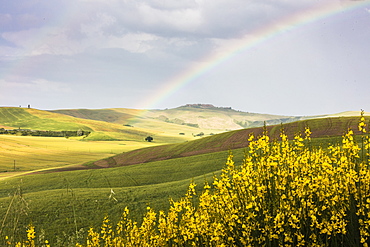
(33, 84)
(169, 5)
(69, 27)
(207, 19)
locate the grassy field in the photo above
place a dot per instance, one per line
(55, 200)
(12, 117)
(139, 119)
(62, 203)
(332, 128)
(208, 119)
(30, 153)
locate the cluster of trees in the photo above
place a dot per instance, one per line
(177, 121)
(49, 133)
(200, 134)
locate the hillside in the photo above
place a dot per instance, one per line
(79, 196)
(137, 119)
(118, 115)
(207, 116)
(321, 128)
(211, 117)
(61, 202)
(111, 125)
(200, 117)
(33, 119)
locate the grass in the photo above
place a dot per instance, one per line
(56, 199)
(39, 120)
(32, 153)
(43, 120)
(140, 119)
(64, 202)
(321, 128)
(60, 212)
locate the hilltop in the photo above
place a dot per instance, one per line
(207, 116)
(204, 117)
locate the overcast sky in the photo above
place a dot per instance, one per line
(124, 53)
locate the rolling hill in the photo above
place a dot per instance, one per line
(72, 201)
(112, 125)
(24, 118)
(322, 128)
(204, 117)
(62, 203)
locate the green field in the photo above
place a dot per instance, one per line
(55, 200)
(58, 203)
(15, 118)
(27, 153)
(64, 204)
(323, 129)
(21, 154)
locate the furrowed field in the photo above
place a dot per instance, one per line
(284, 193)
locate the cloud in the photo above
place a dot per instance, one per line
(45, 40)
(34, 85)
(177, 20)
(5, 19)
(72, 27)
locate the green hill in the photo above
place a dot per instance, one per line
(120, 116)
(22, 118)
(203, 117)
(62, 203)
(21, 152)
(138, 119)
(321, 128)
(38, 120)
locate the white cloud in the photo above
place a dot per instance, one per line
(96, 24)
(179, 4)
(44, 40)
(34, 85)
(179, 19)
(133, 42)
(5, 19)
(139, 26)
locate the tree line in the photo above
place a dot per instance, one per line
(47, 133)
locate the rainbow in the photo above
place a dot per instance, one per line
(249, 41)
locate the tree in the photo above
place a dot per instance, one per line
(149, 139)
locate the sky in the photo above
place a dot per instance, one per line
(283, 57)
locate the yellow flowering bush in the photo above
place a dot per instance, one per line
(285, 193)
